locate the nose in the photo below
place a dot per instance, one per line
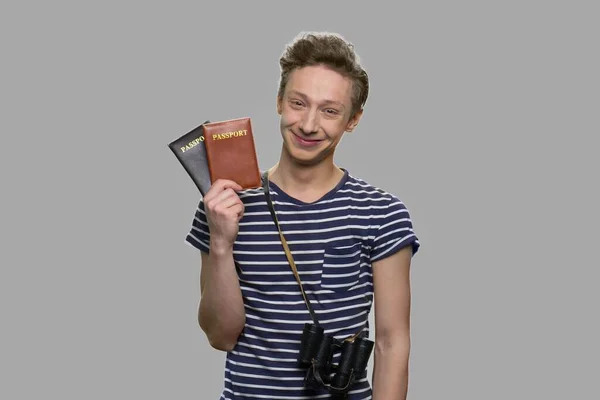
(309, 123)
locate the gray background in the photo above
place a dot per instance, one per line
(482, 118)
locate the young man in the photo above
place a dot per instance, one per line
(351, 243)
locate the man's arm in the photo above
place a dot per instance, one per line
(391, 280)
(221, 313)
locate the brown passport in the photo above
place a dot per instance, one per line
(231, 153)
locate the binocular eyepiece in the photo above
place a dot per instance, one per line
(316, 353)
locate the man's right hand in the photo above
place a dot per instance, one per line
(224, 210)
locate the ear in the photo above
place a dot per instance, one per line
(354, 121)
(279, 107)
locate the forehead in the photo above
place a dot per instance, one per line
(320, 83)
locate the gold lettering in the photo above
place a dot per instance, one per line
(192, 144)
(229, 135)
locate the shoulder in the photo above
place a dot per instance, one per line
(390, 219)
(361, 190)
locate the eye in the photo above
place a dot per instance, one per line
(331, 111)
(296, 103)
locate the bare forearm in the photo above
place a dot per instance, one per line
(221, 312)
(390, 370)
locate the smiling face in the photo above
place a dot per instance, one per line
(316, 111)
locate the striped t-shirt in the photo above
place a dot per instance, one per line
(333, 241)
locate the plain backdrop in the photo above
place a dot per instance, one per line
(482, 117)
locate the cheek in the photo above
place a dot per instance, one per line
(289, 118)
(334, 130)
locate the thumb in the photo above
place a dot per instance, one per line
(232, 185)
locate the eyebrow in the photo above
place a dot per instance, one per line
(297, 93)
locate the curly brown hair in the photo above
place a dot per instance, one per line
(331, 50)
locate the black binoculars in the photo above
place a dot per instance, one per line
(316, 353)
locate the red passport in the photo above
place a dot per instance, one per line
(231, 153)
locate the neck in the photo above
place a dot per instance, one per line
(307, 182)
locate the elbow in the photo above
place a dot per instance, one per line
(397, 342)
(220, 344)
(222, 338)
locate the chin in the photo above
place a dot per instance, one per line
(299, 156)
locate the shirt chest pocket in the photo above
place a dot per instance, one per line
(341, 267)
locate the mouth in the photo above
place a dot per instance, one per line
(306, 142)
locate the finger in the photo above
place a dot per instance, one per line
(238, 210)
(213, 191)
(227, 202)
(223, 196)
(227, 183)
(221, 205)
(230, 208)
(220, 185)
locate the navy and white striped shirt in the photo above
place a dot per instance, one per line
(333, 241)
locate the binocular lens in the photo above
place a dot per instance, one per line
(324, 354)
(346, 363)
(362, 353)
(312, 336)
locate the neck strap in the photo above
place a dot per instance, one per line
(288, 253)
(286, 248)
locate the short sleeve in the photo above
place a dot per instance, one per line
(394, 231)
(199, 234)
